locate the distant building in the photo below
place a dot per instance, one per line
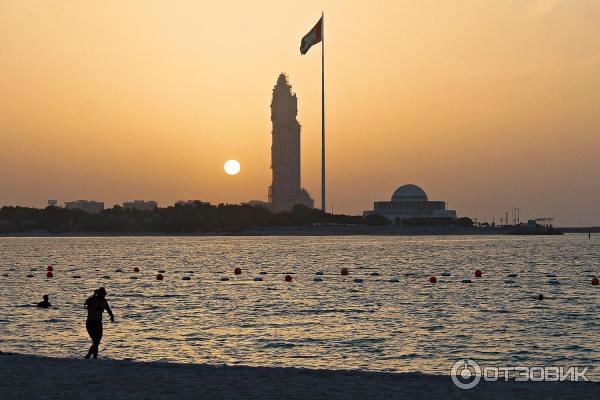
(285, 190)
(140, 205)
(190, 202)
(90, 207)
(410, 201)
(52, 203)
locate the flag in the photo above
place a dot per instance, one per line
(313, 37)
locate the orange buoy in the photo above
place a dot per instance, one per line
(344, 271)
(478, 273)
(136, 269)
(237, 271)
(159, 277)
(433, 279)
(288, 278)
(49, 274)
(595, 281)
(50, 268)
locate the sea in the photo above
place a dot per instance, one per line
(385, 315)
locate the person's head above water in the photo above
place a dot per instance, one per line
(101, 292)
(45, 297)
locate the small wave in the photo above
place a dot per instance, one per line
(409, 356)
(304, 356)
(363, 341)
(334, 310)
(278, 345)
(434, 328)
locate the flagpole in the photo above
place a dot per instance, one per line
(323, 112)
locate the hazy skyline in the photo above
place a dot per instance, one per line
(488, 105)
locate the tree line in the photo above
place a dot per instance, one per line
(181, 218)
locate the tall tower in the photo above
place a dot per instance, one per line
(285, 191)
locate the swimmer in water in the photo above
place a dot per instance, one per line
(45, 303)
(95, 306)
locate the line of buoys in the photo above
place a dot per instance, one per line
(344, 272)
(161, 271)
(224, 279)
(133, 277)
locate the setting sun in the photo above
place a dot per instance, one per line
(232, 167)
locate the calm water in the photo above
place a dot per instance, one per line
(410, 325)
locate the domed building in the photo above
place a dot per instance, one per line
(410, 201)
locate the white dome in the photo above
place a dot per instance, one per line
(409, 193)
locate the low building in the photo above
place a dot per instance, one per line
(52, 203)
(141, 205)
(88, 206)
(410, 201)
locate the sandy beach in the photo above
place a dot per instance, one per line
(32, 377)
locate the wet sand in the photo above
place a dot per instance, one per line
(31, 377)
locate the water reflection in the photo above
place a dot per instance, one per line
(409, 325)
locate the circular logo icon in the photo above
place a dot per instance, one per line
(465, 374)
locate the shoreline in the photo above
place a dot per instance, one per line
(306, 231)
(285, 231)
(31, 377)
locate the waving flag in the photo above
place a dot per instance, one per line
(313, 37)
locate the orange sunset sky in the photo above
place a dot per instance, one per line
(488, 105)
